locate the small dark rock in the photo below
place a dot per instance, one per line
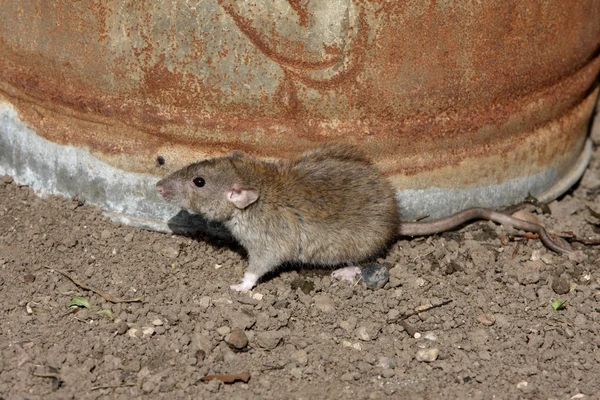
(122, 327)
(200, 355)
(29, 278)
(561, 285)
(375, 276)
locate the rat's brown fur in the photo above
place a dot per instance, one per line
(329, 206)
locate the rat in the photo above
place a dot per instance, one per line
(329, 206)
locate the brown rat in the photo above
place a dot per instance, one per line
(330, 206)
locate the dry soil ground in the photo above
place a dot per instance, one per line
(308, 336)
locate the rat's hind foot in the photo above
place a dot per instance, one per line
(248, 283)
(346, 274)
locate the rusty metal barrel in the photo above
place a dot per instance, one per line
(459, 103)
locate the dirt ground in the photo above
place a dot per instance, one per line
(308, 335)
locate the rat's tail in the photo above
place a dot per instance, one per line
(455, 220)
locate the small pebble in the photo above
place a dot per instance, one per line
(128, 238)
(122, 327)
(300, 357)
(428, 355)
(375, 276)
(29, 278)
(430, 336)
(106, 234)
(237, 339)
(367, 332)
(388, 373)
(159, 330)
(324, 303)
(148, 331)
(561, 285)
(486, 319)
(386, 363)
(223, 330)
(204, 302)
(157, 322)
(170, 252)
(268, 340)
(200, 355)
(257, 296)
(392, 315)
(522, 385)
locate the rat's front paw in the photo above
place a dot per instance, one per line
(240, 288)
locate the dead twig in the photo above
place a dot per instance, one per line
(229, 378)
(113, 386)
(106, 296)
(408, 327)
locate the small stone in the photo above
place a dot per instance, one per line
(237, 339)
(427, 355)
(375, 276)
(159, 330)
(300, 357)
(204, 302)
(486, 319)
(128, 238)
(268, 340)
(528, 276)
(324, 303)
(157, 322)
(349, 324)
(561, 285)
(214, 385)
(522, 385)
(392, 315)
(106, 234)
(257, 296)
(367, 332)
(29, 278)
(370, 359)
(347, 377)
(148, 331)
(296, 373)
(430, 336)
(388, 373)
(170, 252)
(200, 355)
(242, 320)
(122, 327)
(386, 363)
(134, 333)
(223, 330)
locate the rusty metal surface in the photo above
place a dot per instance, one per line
(441, 94)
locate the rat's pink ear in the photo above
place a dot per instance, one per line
(242, 196)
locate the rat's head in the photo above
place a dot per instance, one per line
(211, 188)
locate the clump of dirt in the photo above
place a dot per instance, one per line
(299, 334)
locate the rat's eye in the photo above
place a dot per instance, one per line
(198, 181)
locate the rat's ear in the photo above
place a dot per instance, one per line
(242, 196)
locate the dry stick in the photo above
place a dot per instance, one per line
(408, 327)
(106, 296)
(114, 386)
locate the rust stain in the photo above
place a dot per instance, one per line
(471, 85)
